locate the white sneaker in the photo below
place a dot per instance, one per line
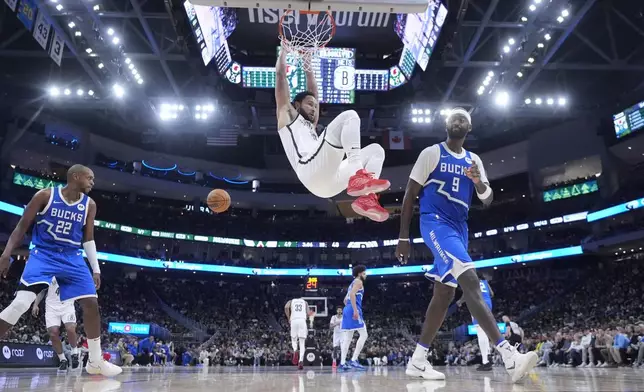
(591, 365)
(103, 367)
(422, 368)
(517, 365)
(583, 365)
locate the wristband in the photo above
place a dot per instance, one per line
(486, 194)
(403, 239)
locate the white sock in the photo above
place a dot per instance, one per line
(505, 349)
(294, 344)
(95, 353)
(360, 344)
(62, 357)
(344, 347)
(420, 352)
(75, 351)
(302, 348)
(484, 344)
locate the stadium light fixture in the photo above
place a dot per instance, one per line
(540, 45)
(181, 107)
(100, 66)
(538, 101)
(110, 31)
(481, 90)
(78, 33)
(97, 7)
(414, 111)
(198, 108)
(520, 74)
(67, 91)
(524, 19)
(560, 19)
(531, 60)
(88, 50)
(532, 7)
(90, 93)
(550, 101)
(127, 60)
(116, 40)
(414, 120)
(486, 82)
(59, 7)
(118, 90)
(528, 101)
(502, 98)
(565, 13)
(562, 102)
(511, 41)
(547, 36)
(537, 1)
(80, 92)
(506, 49)
(71, 25)
(490, 74)
(54, 91)
(131, 66)
(139, 81)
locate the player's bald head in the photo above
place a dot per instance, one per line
(77, 170)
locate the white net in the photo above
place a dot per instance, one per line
(305, 39)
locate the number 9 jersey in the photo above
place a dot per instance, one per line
(60, 224)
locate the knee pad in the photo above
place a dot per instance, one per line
(19, 306)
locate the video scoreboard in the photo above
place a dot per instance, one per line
(372, 79)
(630, 120)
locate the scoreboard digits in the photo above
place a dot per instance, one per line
(372, 80)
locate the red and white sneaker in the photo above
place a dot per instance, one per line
(370, 207)
(362, 183)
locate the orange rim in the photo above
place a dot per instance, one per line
(307, 12)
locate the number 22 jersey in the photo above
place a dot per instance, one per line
(60, 224)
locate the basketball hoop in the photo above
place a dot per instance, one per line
(306, 40)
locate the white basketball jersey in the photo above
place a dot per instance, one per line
(300, 140)
(338, 321)
(53, 302)
(298, 309)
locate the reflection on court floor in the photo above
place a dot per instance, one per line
(275, 379)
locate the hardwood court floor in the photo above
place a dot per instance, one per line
(320, 380)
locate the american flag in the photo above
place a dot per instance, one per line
(225, 138)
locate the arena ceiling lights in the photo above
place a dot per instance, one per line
(77, 92)
(421, 115)
(546, 101)
(177, 111)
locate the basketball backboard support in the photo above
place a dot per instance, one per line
(319, 305)
(389, 6)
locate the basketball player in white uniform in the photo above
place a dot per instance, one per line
(336, 326)
(57, 312)
(318, 160)
(297, 310)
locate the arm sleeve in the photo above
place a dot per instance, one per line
(425, 164)
(92, 256)
(479, 163)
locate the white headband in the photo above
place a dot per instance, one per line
(462, 112)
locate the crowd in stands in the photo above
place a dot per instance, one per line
(584, 313)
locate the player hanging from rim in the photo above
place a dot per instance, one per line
(318, 160)
(352, 320)
(445, 175)
(57, 312)
(64, 219)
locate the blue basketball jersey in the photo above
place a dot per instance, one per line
(448, 191)
(60, 224)
(359, 295)
(487, 295)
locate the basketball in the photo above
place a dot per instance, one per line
(218, 200)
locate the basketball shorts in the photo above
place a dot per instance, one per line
(68, 267)
(299, 330)
(337, 338)
(348, 323)
(53, 318)
(449, 247)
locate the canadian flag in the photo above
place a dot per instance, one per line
(396, 140)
